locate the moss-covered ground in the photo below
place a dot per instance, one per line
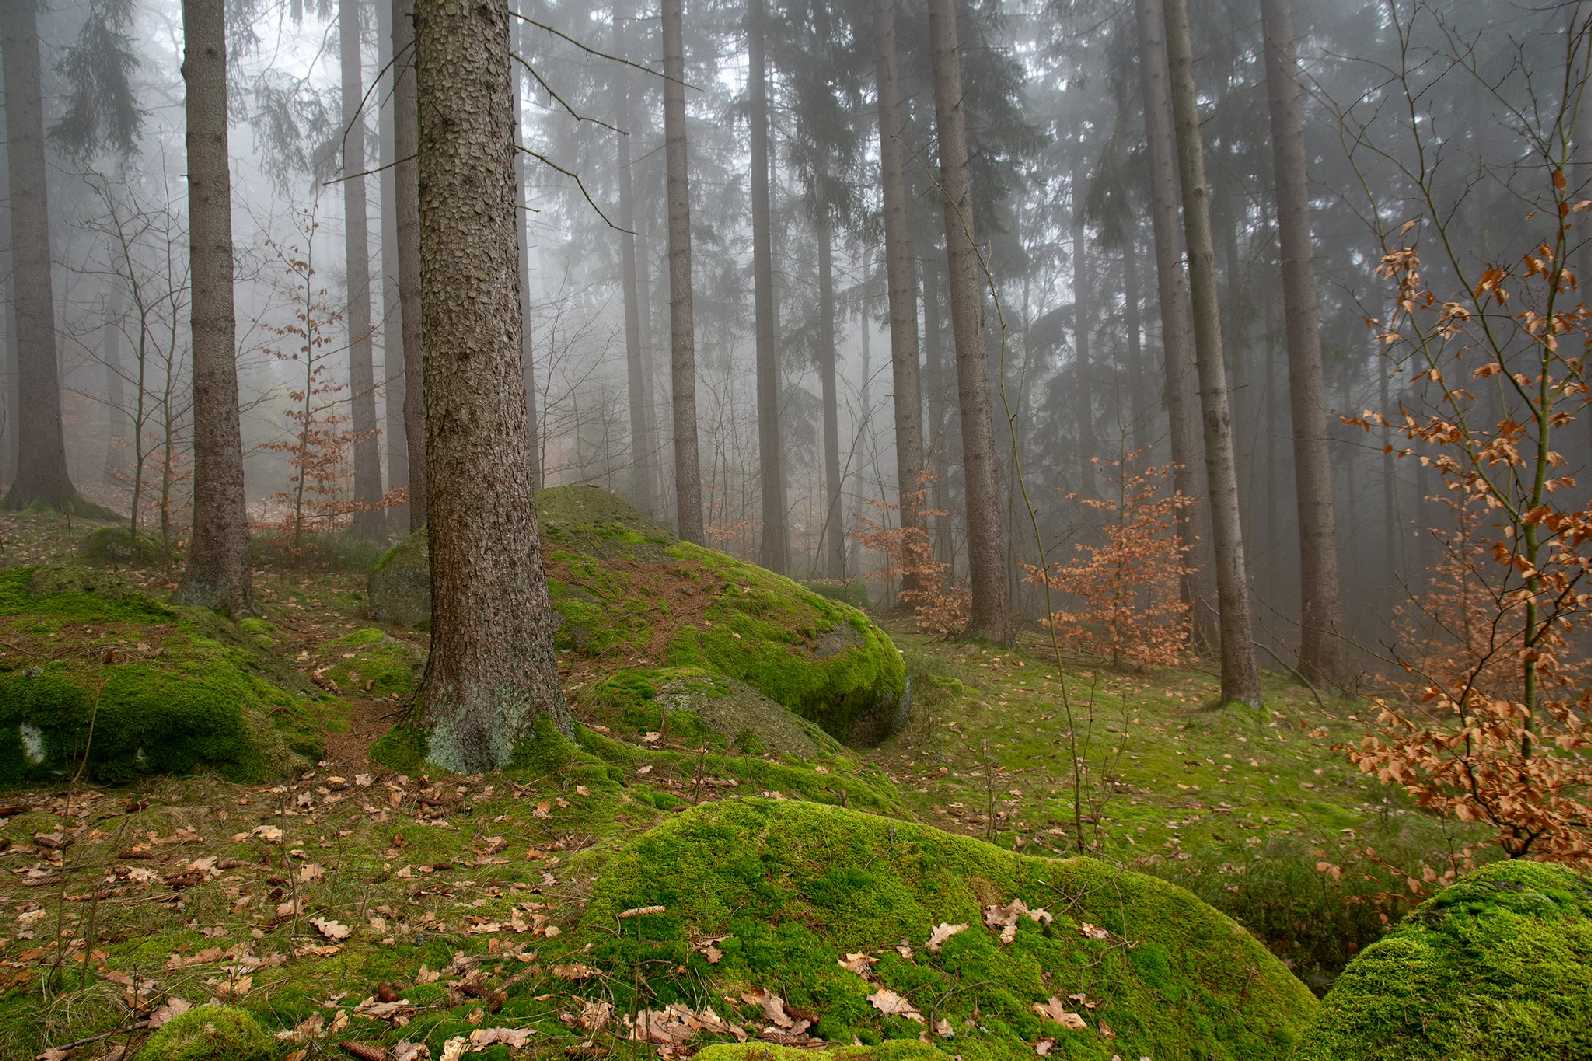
(371, 902)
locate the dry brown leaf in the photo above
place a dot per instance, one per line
(891, 1004)
(1056, 1011)
(859, 963)
(941, 933)
(640, 911)
(332, 930)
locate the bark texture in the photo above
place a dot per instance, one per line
(1177, 330)
(492, 674)
(682, 328)
(1321, 612)
(369, 520)
(527, 350)
(217, 575)
(900, 283)
(985, 534)
(406, 194)
(834, 562)
(41, 471)
(773, 548)
(1083, 321)
(1240, 678)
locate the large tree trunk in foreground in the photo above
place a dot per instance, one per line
(492, 674)
(369, 520)
(406, 138)
(42, 476)
(533, 424)
(900, 283)
(1177, 330)
(1240, 679)
(392, 329)
(1321, 613)
(217, 575)
(773, 549)
(643, 450)
(682, 328)
(985, 537)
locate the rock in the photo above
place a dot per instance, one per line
(628, 592)
(834, 910)
(1498, 965)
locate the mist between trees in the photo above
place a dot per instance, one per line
(940, 297)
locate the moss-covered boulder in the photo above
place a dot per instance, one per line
(120, 547)
(1498, 965)
(101, 675)
(208, 1033)
(628, 592)
(371, 663)
(875, 929)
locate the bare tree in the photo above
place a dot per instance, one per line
(217, 574)
(1240, 678)
(985, 534)
(492, 673)
(682, 327)
(1321, 612)
(774, 548)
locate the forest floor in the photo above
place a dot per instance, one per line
(354, 903)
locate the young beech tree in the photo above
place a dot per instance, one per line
(492, 674)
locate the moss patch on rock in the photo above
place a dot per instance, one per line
(787, 891)
(120, 547)
(107, 678)
(628, 592)
(372, 663)
(1497, 965)
(207, 1033)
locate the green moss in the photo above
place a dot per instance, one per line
(54, 596)
(1497, 965)
(793, 887)
(893, 1050)
(372, 663)
(120, 547)
(402, 748)
(852, 591)
(399, 586)
(207, 1033)
(323, 551)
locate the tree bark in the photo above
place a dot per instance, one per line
(682, 328)
(643, 449)
(985, 545)
(217, 575)
(1321, 612)
(1142, 431)
(1082, 321)
(938, 446)
(406, 140)
(369, 520)
(900, 282)
(392, 341)
(834, 511)
(117, 421)
(42, 476)
(773, 548)
(492, 674)
(1177, 329)
(1240, 678)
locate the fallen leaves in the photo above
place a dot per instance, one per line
(481, 1038)
(941, 933)
(891, 1004)
(1055, 1010)
(1005, 918)
(335, 931)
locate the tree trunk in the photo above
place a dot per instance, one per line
(1177, 340)
(682, 329)
(834, 564)
(643, 451)
(1321, 612)
(773, 549)
(406, 139)
(939, 435)
(217, 575)
(117, 421)
(1083, 320)
(985, 547)
(1240, 679)
(392, 341)
(369, 520)
(533, 423)
(900, 283)
(1143, 430)
(492, 674)
(42, 475)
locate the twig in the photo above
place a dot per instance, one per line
(1290, 669)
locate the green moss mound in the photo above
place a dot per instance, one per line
(207, 1033)
(628, 592)
(785, 890)
(111, 681)
(372, 663)
(1499, 965)
(120, 547)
